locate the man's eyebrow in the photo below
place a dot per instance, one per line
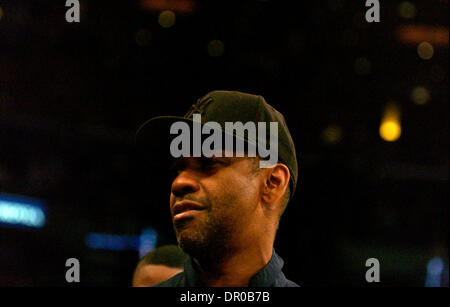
(222, 159)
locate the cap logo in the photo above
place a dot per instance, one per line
(199, 106)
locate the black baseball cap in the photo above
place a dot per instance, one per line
(153, 137)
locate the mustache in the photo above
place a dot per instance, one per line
(200, 201)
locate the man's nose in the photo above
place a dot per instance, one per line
(184, 183)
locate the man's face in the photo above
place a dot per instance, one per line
(213, 201)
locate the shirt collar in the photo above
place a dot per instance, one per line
(268, 276)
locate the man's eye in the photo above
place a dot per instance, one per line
(209, 162)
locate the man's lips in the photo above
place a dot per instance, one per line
(185, 208)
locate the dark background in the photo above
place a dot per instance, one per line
(72, 96)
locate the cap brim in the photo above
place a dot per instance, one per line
(153, 139)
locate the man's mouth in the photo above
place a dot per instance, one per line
(185, 209)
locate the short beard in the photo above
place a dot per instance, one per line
(210, 244)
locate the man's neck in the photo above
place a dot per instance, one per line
(234, 269)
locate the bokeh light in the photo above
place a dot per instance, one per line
(390, 127)
(362, 66)
(216, 48)
(390, 131)
(425, 50)
(332, 134)
(420, 95)
(407, 10)
(1, 13)
(21, 212)
(166, 19)
(434, 270)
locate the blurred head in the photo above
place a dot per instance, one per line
(159, 265)
(223, 204)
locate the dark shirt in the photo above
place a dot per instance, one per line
(270, 276)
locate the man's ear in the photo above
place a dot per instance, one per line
(276, 183)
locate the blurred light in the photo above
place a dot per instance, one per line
(412, 34)
(111, 242)
(407, 10)
(362, 66)
(147, 241)
(390, 131)
(1, 13)
(178, 6)
(143, 37)
(143, 244)
(332, 134)
(166, 19)
(216, 48)
(425, 50)
(434, 270)
(21, 211)
(390, 127)
(420, 95)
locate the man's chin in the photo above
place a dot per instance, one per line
(190, 242)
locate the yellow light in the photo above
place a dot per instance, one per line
(332, 134)
(390, 128)
(390, 131)
(407, 10)
(425, 50)
(420, 95)
(166, 19)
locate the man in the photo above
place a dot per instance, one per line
(226, 210)
(158, 265)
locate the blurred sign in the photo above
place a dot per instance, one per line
(21, 211)
(111, 241)
(144, 243)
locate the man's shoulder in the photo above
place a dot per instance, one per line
(290, 283)
(175, 281)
